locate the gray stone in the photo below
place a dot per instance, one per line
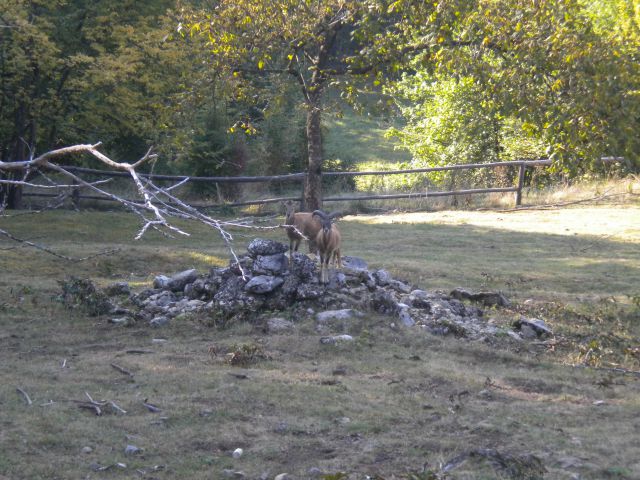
(279, 325)
(527, 332)
(270, 264)
(87, 449)
(514, 335)
(405, 317)
(382, 277)
(488, 299)
(354, 263)
(132, 450)
(399, 286)
(228, 473)
(161, 299)
(315, 472)
(260, 246)
(303, 267)
(420, 299)
(161, 282)
(343, 420)
(178, 281)
(118, 288)
(263, 284)
(335, 339)
(337, 280)
(331, 315)
(282, 476)
(539, 327)
(383, 302)
(120, 321)
(159, 321)
(308, 292)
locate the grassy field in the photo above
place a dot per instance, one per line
(391, 403)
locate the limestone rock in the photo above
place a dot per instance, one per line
(159, 321)
(329, 315)
(335, 339)
(279, 325)
(354, 263)
(260, 246)
(382, 277)
(270, 264)
(535, 325)
(161, 282)
(118, 288)
(263, 284)
(488, 299)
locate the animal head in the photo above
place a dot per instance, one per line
(326, 219)
(290, 208)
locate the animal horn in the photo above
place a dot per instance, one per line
(319, 213)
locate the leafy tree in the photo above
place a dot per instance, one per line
(542, 63)
(314, 43)
(78, 71)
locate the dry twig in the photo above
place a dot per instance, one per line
(156, 207)
(25, 395)
(122, 370)
(151, 407)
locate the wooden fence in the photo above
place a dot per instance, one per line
(300, 177)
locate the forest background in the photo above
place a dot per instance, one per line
(255, 87)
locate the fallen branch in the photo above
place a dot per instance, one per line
(51, 252)
(90, 406)
(122, 370)
(151, 407)
(25, 395)
(156, 207)
(97, 406)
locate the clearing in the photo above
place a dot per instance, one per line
(394, 403)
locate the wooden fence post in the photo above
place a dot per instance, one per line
(75, 196)
(520, 184)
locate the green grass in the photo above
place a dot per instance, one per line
(356, 138)
(410, 398)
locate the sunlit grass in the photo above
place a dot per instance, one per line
(619, 223)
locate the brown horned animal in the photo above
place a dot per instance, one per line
(304, 223)
(328, 242)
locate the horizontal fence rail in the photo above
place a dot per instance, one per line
(300, 177)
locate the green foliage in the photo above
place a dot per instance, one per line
(82, 293)
(541, 63)
(391, 183)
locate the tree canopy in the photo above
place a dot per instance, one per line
(480, 80)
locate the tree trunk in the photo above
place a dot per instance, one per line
(313, 182)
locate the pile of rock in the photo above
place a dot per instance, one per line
(262, 281)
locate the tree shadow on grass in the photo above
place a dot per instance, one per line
(550, 265)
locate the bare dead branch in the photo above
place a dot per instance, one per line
(45, 187)
(122, 370)
(51, 252)
(156, 208)
(25, 395)
(115, 406)
(90, 406)
(97, 405)
(151, 407)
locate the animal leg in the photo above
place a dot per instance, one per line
(338, 258)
